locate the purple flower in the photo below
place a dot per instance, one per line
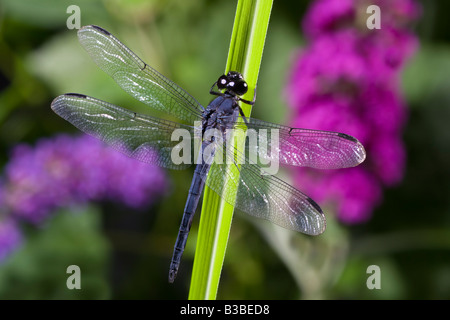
(68, 170)
(329, 68)
(10, 237)
(347, 80)
(330, 16)
(325, 16)
(354, 192)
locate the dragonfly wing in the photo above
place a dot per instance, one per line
(264, 196)
(303, 147)
(142, 137)
(136, 77)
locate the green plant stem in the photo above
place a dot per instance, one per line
(245, 54)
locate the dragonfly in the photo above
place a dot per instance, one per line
(149, 139)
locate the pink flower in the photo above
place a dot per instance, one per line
(347, 80)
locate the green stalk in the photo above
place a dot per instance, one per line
(245, 54)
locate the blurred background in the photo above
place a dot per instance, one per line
(121, 233)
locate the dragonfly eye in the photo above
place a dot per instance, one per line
(239, 87)
(222, 82)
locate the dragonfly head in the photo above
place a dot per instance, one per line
(233, 83)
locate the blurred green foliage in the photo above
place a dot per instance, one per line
(38, 270)
(187, 41)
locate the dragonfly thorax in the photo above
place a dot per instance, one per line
(221, 113)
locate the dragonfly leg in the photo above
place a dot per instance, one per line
(211, 91)
(243, 116)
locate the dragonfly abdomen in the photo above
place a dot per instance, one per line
(195, 192)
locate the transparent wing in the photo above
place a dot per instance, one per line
(303, 147)
(263, 196)
(142, 137)
(136, 77)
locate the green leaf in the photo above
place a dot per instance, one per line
(245, 54)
